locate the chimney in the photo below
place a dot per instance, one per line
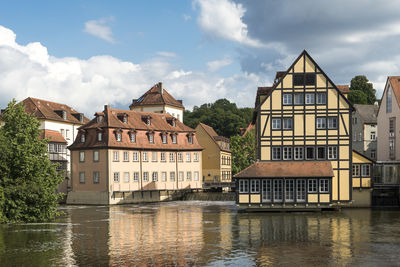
(180, 101)
(106, 107)
(160, 88)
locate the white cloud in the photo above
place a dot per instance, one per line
(166, 54)
(217, 64)
(86, 85)
(99, 29)
(186, 17)
(223, 19)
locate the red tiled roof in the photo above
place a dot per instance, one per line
(43, 109)
(395, 82)
(345, 89)
(287, 169)
(157, 95)
(53, 136)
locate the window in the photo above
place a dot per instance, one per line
(180, 176)
(99, 118)
(126, 177)
(360, 136)
(99, 136)
(135, 176)
(276, 153)
(332, 122)
(126, 156)
(118, 136)
(287, 123)
(321, 98)
(154, 156)
(164, 139)
(365, 170)
(287, 153)
(255, 186)
(298, 153)
(96, 177)
(196, 176)
(188, 157)
(151, 138)
(287, 99)
(196, 156)
(82, 177)
(324, 186)
(289, 190)
(162, 156)
(146, 176)
(171, 157)
(278, 190)
(309, 78)
(64, 114)
(132, 137)
(332, 152)
(125, 119)
(389, 100)
(321, 123)
(95, 155)
(298, 99)
(135, 156)
(116, 156)
(321, 152)
(373, 136)
(82, 156)
(354, 136)
(312, 186)
(310, 99)
(172, 176)
(189, 176)
(355, 120)
(145, 156)
(276, 124)
(116, 177)
(82, 138)
(298, 79)
(373, 153)
(243, 186)
(180, 157)
(148, 122)
(356, 170)
(310, 152)
(155, 176)
(164, 176)
(62, 132)
(174, 139)
(301, 190)
(190, 138)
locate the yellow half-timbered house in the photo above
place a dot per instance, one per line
(303, 143)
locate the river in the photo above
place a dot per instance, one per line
(200, 233)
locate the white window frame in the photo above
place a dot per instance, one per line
(243, 186)
(287, 123)
(96, 157)
(174, 139)
(196, 156)
(81, 156)
(321, 100)
(145, 156)
(287, 99)
(189, 176)
(132, 137)
(297, 97)
(287, 153)
(126, 156)
(164, 176)
(115, 155)
(116, 177)
(171, 157)
(299, 153)
(154, 156)
(324, 185)
(164, 138)
(135, 156)
(96, 177)
(312, 185)
(99, 136)
(151, 138)
(321, 123)
(81, 177)
(181, 176)
(154, 176)
(180, 157)
(188, 157)
(276, 123)
(83, 138)
(365, 170)
(332, 152)
(330, 121)
(255, 186)
(118, 136)
(274, 150)
(310, 98)
(373, 136)
(196, 176)
(126, 177)
(145, 176)
(136, 176)
(172, 176)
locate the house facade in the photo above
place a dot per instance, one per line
(365, 130)
(216, 156)
(158, 100)
(124, 156)
(304, 150)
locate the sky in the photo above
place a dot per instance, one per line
(90, 53)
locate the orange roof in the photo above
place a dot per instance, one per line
(287, 169)
(53, 136)
(395, 82)
(157, 95)
(345, 89)
(43, 109)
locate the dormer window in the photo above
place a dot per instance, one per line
(172, 121)
(148, 121)
(83, 138)
(118, 136)
(190, 139)
(174, 139)
(164, 138)
(99, 136)
(99, 118)
(80, 117)
(125, 119)
(64, 114)
(151, 138)
(132, 137)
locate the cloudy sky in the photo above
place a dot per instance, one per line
(90, 53)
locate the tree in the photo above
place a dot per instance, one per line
(357, 97)
(28, 179)
(361, 83)
(243, 151)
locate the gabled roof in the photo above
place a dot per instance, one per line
(368, 113)
(44, 109)
(280, 77)
(214, 136)
(157, 95)
(262, 91)
(395, 83)
(364, 156)
(345, 89)
(287, 169)
(53, 136)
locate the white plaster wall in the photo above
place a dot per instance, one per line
(177, 113)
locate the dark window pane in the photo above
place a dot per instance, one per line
(310, 79)
(321, 152)
(310, 153)
(298, 79)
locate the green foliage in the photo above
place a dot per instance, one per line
(225, 117)
(360, 83)
(243, 151)
(28, 179)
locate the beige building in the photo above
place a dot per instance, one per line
(158, 100)
(303, 132)
(361, 180)
(217, 159)
(124, 156)
(365, 130)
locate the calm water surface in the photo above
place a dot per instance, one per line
(197, 233)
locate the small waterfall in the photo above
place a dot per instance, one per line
(210, 196)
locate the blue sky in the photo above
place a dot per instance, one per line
(90, 53)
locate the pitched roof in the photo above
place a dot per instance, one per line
(44, 109)
(287, 169)
(395, 82)
(345, 89)
(157, 95)
(260, 92)
(368, 113)
(53, 136)
(213, 134)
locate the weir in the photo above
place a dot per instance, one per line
(210, 196)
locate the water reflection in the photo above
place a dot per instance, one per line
(202, 234)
